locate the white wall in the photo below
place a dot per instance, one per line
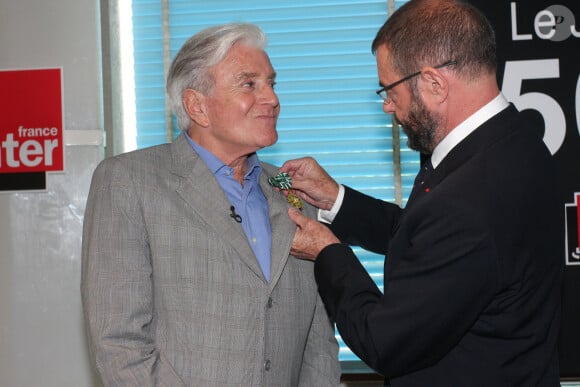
(42, 341)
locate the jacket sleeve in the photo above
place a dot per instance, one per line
(116, 285)
(440, 277)
(365, 221)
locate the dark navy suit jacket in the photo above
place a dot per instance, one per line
(473, 268)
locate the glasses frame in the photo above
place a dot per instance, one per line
(385, 89)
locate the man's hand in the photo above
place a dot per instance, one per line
(311, 236)
(311, 182)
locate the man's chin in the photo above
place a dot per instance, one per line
(266, 142)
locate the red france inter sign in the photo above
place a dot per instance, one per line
(31, 129)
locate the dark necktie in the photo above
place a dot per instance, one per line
(424, 172)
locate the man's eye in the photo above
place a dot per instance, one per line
(249, 84)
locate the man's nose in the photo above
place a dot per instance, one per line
(388, 107)
(269, 96)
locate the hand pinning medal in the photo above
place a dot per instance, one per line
(284, 181)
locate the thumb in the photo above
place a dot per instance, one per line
(296, 216)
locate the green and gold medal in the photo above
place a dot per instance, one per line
(284, 181)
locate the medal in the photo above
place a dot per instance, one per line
(284, 181)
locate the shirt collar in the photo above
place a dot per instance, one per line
(465, 128)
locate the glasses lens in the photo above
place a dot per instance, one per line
(382, 93)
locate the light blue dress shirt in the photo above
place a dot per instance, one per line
(249, 202)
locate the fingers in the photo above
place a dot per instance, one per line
(311, 236)
(297, 166)
(311, 182)
(302, 244)
(289, 166)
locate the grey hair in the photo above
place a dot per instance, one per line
(190, 67)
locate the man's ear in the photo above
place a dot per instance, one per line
(436, 86)
(194, 105)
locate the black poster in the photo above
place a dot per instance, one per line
(538, 69)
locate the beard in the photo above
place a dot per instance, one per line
(420, 126)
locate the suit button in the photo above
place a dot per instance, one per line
(270, 303)
(267, 365)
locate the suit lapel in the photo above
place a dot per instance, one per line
(283, 228)
(200, 190)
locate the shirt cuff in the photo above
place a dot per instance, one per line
(327, 216)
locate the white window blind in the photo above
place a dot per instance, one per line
(326, 82)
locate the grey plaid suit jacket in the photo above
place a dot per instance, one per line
(173, 294)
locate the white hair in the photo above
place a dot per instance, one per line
(190, 67)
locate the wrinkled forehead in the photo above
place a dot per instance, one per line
(242, 62)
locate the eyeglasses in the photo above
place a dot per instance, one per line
(383, 91)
